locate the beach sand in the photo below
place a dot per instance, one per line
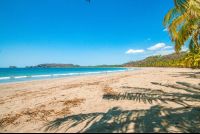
(147, 100)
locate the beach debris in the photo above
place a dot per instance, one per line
(188, 106)
(108, 91)
(74, 102)
(39, 113)
(174, 100)
(94, 83)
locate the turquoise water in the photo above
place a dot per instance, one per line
(9, 75)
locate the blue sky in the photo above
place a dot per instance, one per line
(98, 32)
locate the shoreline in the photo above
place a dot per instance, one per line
(113, 102)
(72, 76)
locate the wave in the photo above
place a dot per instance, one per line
(40, 75)
(91, 73)
(4, 77)
(20, 77)
(81, 73)
(64, 74)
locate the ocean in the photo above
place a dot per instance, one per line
(9, 75)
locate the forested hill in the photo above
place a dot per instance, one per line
(53, 65)
(157, 58)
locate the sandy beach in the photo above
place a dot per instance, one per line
(146, 100)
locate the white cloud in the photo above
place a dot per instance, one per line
(166, 29)
(157, 46)
(184, 48)
(161, 52)
(149, 38)
(164, 52)
(135, 51)
(167, 47)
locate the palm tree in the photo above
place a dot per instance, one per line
(192, 59)
(183, 23)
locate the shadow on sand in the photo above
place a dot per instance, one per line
(158, 118)
(187, 74)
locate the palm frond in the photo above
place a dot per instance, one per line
(173, 13)
(174, 26)
(191, 45)
(193, 9)
(180, 5)
(186, 31)
(177, 47)
(195, 36)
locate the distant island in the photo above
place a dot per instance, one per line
(12, 67)
(53, 65)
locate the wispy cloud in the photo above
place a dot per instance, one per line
(184, 48)
(164, 52)
(149, 38)
(167, 47)
(161, 52)
(135, 51)
(157, 46)
(166, 29)
(146, 55)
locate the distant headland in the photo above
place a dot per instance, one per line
(12, 67)
(53, 65)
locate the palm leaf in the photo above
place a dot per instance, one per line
(191, 45)
(174, 26)
(173, 13)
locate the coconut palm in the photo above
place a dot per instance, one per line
(192, 59)
(183, 23)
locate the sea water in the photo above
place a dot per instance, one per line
(9, 75)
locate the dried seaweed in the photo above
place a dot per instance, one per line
(39, 114)
(108, 91)
(74, 102)
(94, 83)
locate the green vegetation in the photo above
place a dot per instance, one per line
(172, 60)
(192, 59)
(153, 60)
(171, 63)
(183, 24)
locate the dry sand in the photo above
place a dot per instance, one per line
(147, 100)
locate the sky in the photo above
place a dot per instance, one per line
(83, 33)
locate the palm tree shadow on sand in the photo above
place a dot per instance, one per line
(156, 119)
(195, 75)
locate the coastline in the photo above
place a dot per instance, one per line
(53, 75)
(69, 76)
(100, 99)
